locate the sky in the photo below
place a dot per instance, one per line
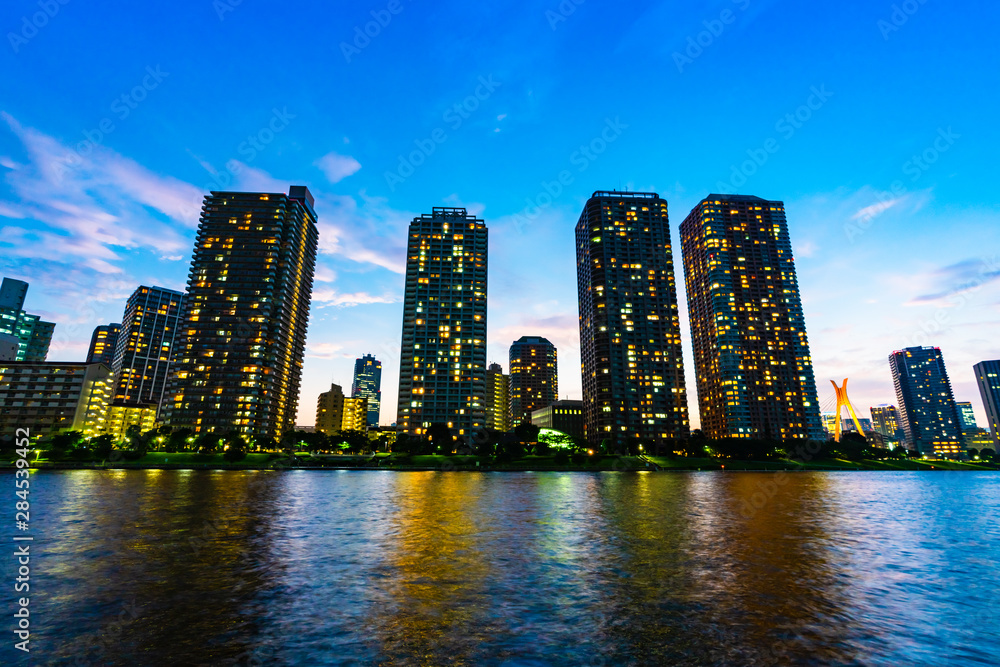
(875, 123)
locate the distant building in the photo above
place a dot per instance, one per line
(442, 366)
(751, 353)
(534, 381)
(886, 421)
(368, 384)
(988, 379)
(630, 334)
(927, 411)
(966, 414)
(48, 397)
(34, 335)
(355, 416)
(238, 358)
(565, 416)
(847, 424)
(497, 398)
(145, 346)
(103, 343)
(330, 410)
(829, 421)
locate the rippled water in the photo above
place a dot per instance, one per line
(440, 568)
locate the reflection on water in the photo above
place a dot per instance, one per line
(432, 568)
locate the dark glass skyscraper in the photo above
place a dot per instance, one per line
(751, 354)
(368, 384)
(145, 346)
(239, 356)
(442, 368)
(534, 381)
(927, 411)
(103, 344)
(630, 341)
(988, 379)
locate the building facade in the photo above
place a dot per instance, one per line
(120, 418)
(988, 379)
(145, 346)
(630, 342)
(565, 416)
(103, 344)
(885, 418)
(751, 353)
(442, 370)
(355, 416)
(48, 397)
(34, 335)
(927, 411)
(238, 360)
(534, 379)
(497, 398)
(330, 410)
(368, 384)
(967, 416)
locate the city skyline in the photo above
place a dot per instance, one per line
(85, 225)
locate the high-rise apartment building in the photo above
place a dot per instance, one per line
(145, 346)
(988, 379)
(355, 416)
(886, 420)
(751, 354)
(103, 343)
(927, 411)
(34, 335)
(534, 381)
(442, 370)
(497, 398)
(368, 384)
(238, 360)
(630, 341)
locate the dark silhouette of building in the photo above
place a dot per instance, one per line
(239, 357)
(630, 342)
(103, 343)
(368, 384)
(534, 381)
(927, 410)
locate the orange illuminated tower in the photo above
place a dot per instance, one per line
(843, 400)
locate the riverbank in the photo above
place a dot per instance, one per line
(303, 461)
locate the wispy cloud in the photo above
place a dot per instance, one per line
(331, 297)
(952, 280)
(337, 167)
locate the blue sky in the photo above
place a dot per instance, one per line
(874, 122)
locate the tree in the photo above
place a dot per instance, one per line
(440, 437)
(973, 452)
(177, 441)
(207, 442)
(987, 454)
(526, 433)
(66, 441)
(103, 445)
(235, 447)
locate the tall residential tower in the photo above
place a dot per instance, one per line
(497, 398)
(442, 368)
(927, 411)
(988, 379)
(751, 354)
(239, 355)
(32, 333)
(630, 341)
(534, 381)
